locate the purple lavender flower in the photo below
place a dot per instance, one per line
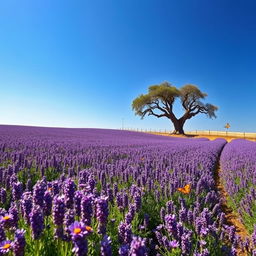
(233, 251)
(204, 231)
(77, 202)
(169, 207)
(128, 234)
(183, 214)
(123, 250)
(221, 219)
(26, 206)
(19, 242)
(119, 201)
(129, 216)
(206, 216)
(36, 221)
(246, 244)
(56, 187)
(254, 236)
(138, 247)
(186, 244)
(199, 223)
(83, 176)
(105, 246)
(180, 229)
(171, 225)
(58, 210)
(231, 233)
(68, 220)
(137, 201)
(162, 213)
(38, 193)
(80, 246)
(203, 252)
(47, 203)
(166, 243)
(110, 195)
(115, 189)
(124, 232)
(206, 252)
(216, 210)
(2, 233)
(3, 195)
(87, 209)
(159, 237)
(190, 216)
(69, 192)
(91, 183)
(17, 189)
(102, 213)
(13, 178)
(125, 200)
(174, 244)
(2, 212)
(15, 215)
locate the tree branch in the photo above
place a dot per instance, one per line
(151, 113)
(160, 108)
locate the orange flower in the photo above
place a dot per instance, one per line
(185, 190)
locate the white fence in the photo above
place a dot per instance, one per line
(248, 135)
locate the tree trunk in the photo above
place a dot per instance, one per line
(178, 127)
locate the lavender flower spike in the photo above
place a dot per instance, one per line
(138, 247)
(19, 243)
(105, 249)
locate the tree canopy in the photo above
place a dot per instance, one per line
(160, 98)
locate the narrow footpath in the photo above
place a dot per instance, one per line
(232, 218)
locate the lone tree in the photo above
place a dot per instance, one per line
(160, 99)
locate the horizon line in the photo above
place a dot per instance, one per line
(124, 129)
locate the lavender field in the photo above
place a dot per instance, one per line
(238, 162)
(109, 192)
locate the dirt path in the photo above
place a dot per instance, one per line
(232, 218)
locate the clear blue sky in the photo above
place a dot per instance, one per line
(81, 63)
